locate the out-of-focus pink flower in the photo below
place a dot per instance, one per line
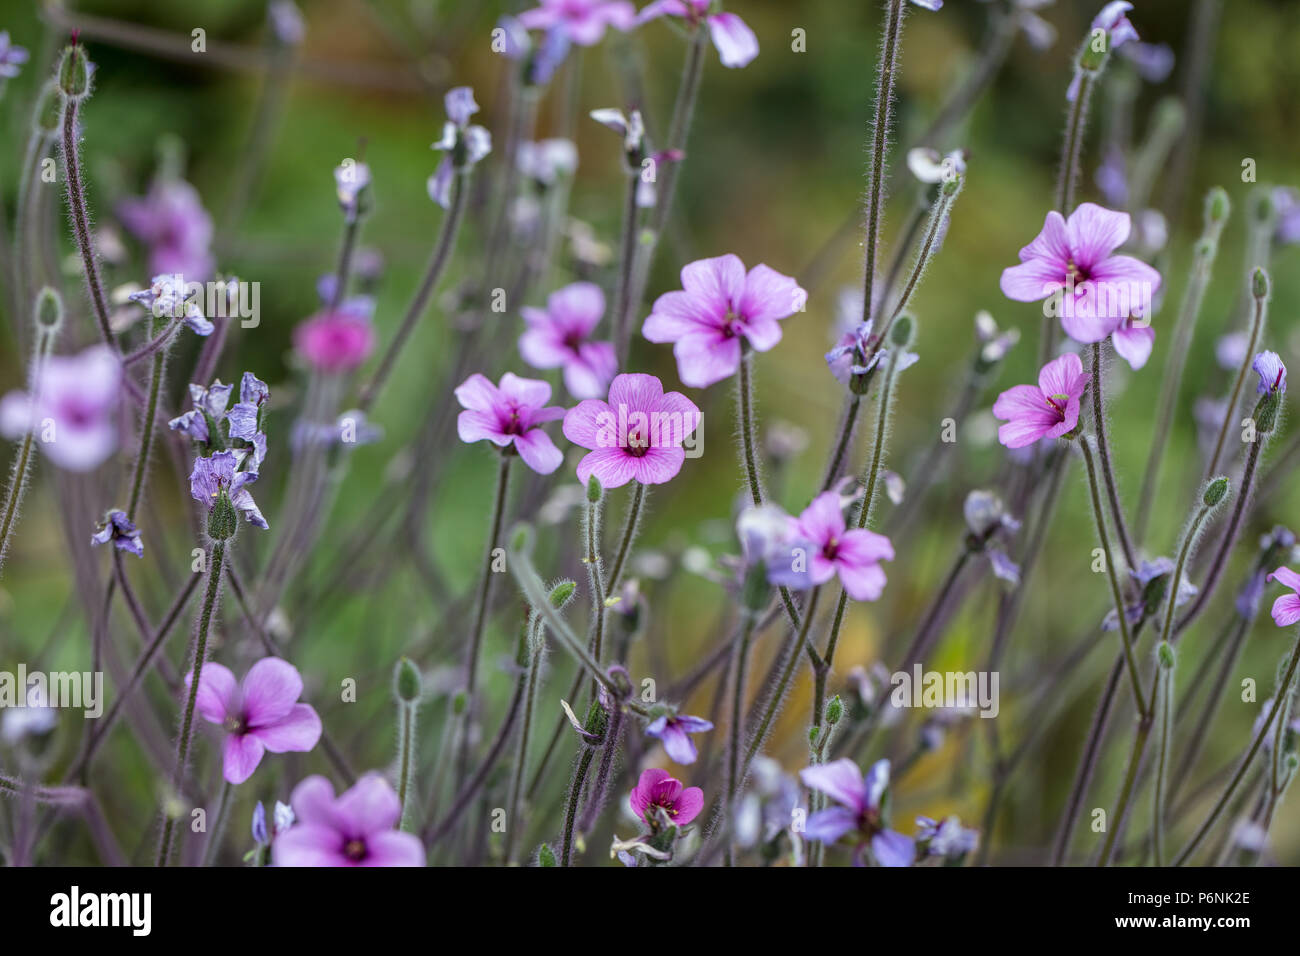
(73, 415)
(583, 21)
(1049, 409)
(734, 40)
(853, 554)
(171, 221)
(335, 340)
(1286, 609)
(353, 829)
(558, 337)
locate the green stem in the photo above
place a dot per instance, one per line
(146, 431)
(1103, 451)
(745, 405)
(1229, 413)
(536, 646)
(626, 271)
(738, 676)
(76, 195)
(778, 692)
(575, 797)
(852, 406)
(218, 825)
(1165, 699)
(405, 747)
(630, 525)
(888, 70)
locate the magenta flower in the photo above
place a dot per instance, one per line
(510, 415)
(335, 340)
(262, 713)
(854, 555)
(1286, 609)
(583, 21)
(657, 794)
(732, 37)
(674, 732)
(74, 415)
(636, 435)
(171, 221)
(1100, 290)
(861, 801)
(558, 337)
(1049, 409)
(718, 306)
(354, 829)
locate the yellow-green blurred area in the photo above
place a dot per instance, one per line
(775, 165)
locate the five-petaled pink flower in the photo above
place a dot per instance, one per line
(354, 829)
(854, 554)
(1103, 293)
(511, 414)
(636, 435)
(720, 305)
(734, 40)
(583, 21)
(659, 793)
(558, 337)
(1286, 609)
(1049, 409)
(262, 713)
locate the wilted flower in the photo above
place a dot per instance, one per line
(1271, 371)
(659, 798)
(510, 416)
(464, 144)
(74, 414)
(282, 819)
(167, 297)
(117, 527)
(353, 829)
(1049, 409)
(949, 840)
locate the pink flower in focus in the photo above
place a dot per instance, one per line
(171, 221)
(734, 40)
(657, 791)
(262, 713)
(353, 829)
(584, 21)
(636, 435)
(74, 414)
(1286, 609)
(337, 340)
(510, 415)
(854, 554)
(718, 306)
(557, 337)
(1049, 409)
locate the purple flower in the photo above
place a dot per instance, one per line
(171, 221)
(1049, 409)
(547, 160)
(1286, 204)
(948, 839)
(860, 800)
(772, 540)
(214, 476)
(281, 820)
(582, 21)
(12, 56)
(510, 415)
(674, 732)
(657, 794)
(170, 296)
(336, 340)
(559, 337)
(1286, 609)
(350, 180)
(463, 144)
(209, 406)
(636, 435)
(117, 527)
(1271, 371)
(734, 40)
(74, 412)
(354, 829)
(1100, 290)
(1115, 22)
(260, 713)
(854, 555)
(853, 355)
(718, 306)
(286, 23)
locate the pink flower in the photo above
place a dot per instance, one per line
(336, 340)
(1286, 609)
(1049, 409)
(636, 435)
(258, 715)
(854, 555)
(1101, 291)
(657, 791)
(732, 37)
(584, 21)
(171, 221)
(718, 306)
(355, 829)
(74, 415)
(557, 337)
(510, 415)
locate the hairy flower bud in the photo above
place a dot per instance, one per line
(406, 681)
(74, 72)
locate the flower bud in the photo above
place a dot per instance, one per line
(49, 109)
(222, 519)
(901, 334)
(545, 855)
(48, 310)
(521, 538)
(74, 72)
(1165, 655)
(1217, 205)
(1214, 491)
(561, 593)
(595, 491)
(406, 681)
(834, 710)
(1259, 284)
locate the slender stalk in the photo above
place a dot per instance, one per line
(749, 441)
(597, 586)
(1165, 707)
(738, 675)
(485, 582)
(886, 75)
(146, 431)
(1229, 413)
(575, 797)
(22, 464)
(536, 651)
(1209, 710)
(631, 524)
(778, 692)
(938, 216)
(218, 825)
(836, 463)
(626, 270)
(405, 748)
(77, 206)
(1103, 452)
(1116, 822)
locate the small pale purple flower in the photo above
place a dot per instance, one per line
(510, 415)
(117, 527)
(559, 336)
(718, 306)
(658, 795)
(216, 475)
(674, 732)
(582, 21)
(282, 819)
(463, 144)
(259, 714)
(1113, 18)
(771, 540)
(1286, 206)
(74, 414)
(852, 554)
(1271, 371)
(350, 180)
(12, 56)
(353, 829)
(168, 296)
(947, 839)
(171, 221)
(861, 802)
(1049, 409)
(1286, 609)
(732, 38)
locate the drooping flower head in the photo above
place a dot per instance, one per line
(858, 353)
(74, 413)
(1049, 409)
(854, 554)
(1099, 290)
(718, 307)
(118, 528)
(946, 839)
(257, 714)
(355, 828)
(218, 475)
(659, 800)
(731, 36)
(238, 428)
(1286, 609)
(559, 336)
(510, 415)
(582, 21)
(338, 340)
(463, 144)
(171, 221)
(861, 811)
(281, 820)
(636, 435)
(674, 732)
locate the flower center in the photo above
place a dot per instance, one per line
(637, 444)
(355, 850)
(733, 325)
(830, 549)
(235, 724)
(513, 425)
(1057, 403)
(1074, 273)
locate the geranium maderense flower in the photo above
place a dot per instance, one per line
(260, 713)
(353, 829)
(74, 415)
(558, 337)
(658, 791)
(1102, 292)
(171, 221)
(1049, 409)
(583, 21)
(854, 554)
(336, 340)
(511, 414)
(860, 800)
(636, 434)
(731, 36)
(1286, 609)
(674, 732)
(719, 305)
